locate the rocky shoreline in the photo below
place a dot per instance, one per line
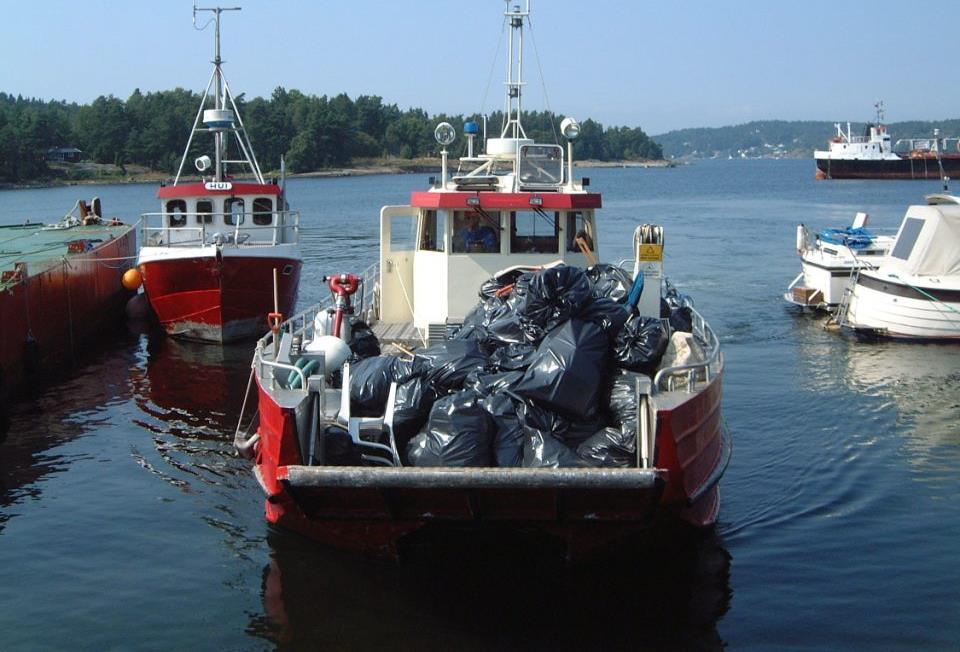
(109, 174)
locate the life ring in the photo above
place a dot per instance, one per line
(344, 284)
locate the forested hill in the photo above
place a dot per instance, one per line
(779, 137)
(150, 131)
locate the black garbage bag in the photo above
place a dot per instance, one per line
(503, 325)
(641, 344)
(569, 370)
(580, 430)
(363, 342)
(610, 282)
(681, 319)
(551, 297)
(489, 383)
(508, 435)
(339, 449)
(412, 406)
(610, 447)
(543, 439)
(370, 380)
(608, 315)
(622, 405)
(459, 433)
(512, 357)
(447, 364)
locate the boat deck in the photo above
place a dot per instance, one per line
(41, 247)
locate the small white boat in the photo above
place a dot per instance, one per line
(830, 258)
(914, 293)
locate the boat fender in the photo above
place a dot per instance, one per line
(802, 238)
(31, 355)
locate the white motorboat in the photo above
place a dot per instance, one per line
(914, 293)
(830, 258)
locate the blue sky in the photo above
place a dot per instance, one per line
(658, 65)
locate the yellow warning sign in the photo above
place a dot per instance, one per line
(651, 252)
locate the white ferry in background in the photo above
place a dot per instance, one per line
(506, 217)
(874, 155)
(221, 253)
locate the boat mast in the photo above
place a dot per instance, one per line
(219, 101)
(511, 123)
(220, 119)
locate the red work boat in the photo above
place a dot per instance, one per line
(508, 220)
(59, 284)
(221, 254)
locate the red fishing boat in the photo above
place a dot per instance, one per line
(59, 285)
(221, 253)
(475, 413)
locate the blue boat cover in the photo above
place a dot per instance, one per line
(855, 238)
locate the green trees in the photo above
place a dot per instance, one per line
(311, 132)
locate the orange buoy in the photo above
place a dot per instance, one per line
(132, 279)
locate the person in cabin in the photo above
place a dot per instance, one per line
(474, 238)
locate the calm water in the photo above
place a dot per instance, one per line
(126, 521)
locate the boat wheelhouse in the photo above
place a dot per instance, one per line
(222, 253)
(333, 471)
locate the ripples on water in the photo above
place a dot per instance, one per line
(126, 520)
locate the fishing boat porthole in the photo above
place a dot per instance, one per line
(287, 270)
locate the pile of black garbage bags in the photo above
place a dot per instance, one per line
(541, 374)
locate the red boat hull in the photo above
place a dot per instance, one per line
(692, 453)
(45, 317)
(219, 299)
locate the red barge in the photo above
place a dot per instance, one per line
(221, 253)
(507, 217)
(59, 285)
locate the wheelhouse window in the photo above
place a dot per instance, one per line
(579, 226)
(476, 232)
(541, 165)
(233, 211)
(432, 231)
(263, 211)
(534, 232)
(177, 212)
(204, 211)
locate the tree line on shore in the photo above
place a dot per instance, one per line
(310, 132)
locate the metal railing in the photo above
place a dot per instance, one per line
(303, 322)
(667, 378)
(205, 229)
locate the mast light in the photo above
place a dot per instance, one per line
(445, 133)
(570, 128)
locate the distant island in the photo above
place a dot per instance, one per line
(779, 138)
(143, 137)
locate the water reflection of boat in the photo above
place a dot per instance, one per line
(56, 415)
(664, 594)
(923, 382)
(186, 393)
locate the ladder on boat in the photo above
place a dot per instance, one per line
(839, 317)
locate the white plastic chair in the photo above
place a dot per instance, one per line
(357, 425)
